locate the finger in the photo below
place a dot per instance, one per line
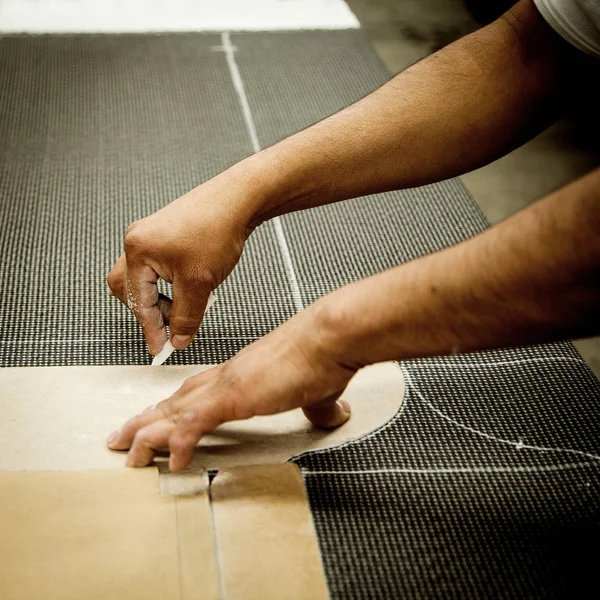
(142, 299)
(116, 279)
(187, 311)
(164, 305)
(147, 440)
(123, 438)
(193, 425)
(182, 443)
(328, 414)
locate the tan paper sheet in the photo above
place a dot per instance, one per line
(59, 417)
(69, 535)
(97, 534)
(266, 541)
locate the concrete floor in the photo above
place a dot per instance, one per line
(404, 31)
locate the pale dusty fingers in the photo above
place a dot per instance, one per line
(123, 438)
(147, 441)
(142, 300)
(116, 286)
(116, 279)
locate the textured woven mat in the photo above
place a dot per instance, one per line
(484, 485)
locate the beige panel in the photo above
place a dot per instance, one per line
(198, 563)
(266, 541)
(59, 417)
(68, 535)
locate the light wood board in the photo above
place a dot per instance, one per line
(98, 534)
(59, 417)
(266, 542)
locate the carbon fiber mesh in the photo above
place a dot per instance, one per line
(484, 485)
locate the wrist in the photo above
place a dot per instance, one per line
(339, 332)
(245, 188)
(389, 316)
(280, 179)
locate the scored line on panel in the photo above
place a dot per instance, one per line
(518, 445)
(457, 470)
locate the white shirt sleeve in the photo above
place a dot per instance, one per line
(577, 21)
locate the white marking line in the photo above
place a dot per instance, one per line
(504, 363)
(410, 387)
(366, 437)
(289, 265)
(216, 546)
(100, 340)
(238, 84)
(179, 573)
(517, 445)
(466, 470)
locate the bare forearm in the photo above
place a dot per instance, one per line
(450, 113)
(533, 278)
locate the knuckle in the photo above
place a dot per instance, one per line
(132, 227)
(115, 282)
(233, 400)
(141, 437)
(164, 407)
(200, 276)
(146, 438)
(232, 381)
(134, 239)
(208, 278)
(187, 386)
(184, 324)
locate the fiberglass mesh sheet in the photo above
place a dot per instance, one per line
(485, 483)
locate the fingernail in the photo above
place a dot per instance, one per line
(112, 438)
(345, 406)
(180, 341)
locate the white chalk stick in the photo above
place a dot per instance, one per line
(168, 348)
(166, 351)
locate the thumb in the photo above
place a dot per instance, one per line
(328, 413)
(187, 312)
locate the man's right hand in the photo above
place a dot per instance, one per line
(193, 243)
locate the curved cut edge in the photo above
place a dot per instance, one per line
(376, 394)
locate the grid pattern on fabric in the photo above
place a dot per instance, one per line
(486, 482)
(98, 131)
(516, 415)
(458, 535)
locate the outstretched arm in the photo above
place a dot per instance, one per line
(454, 111)
(532, 278)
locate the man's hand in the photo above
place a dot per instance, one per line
(532, 278)
(289, 368)
(193, 243)
(452, 112)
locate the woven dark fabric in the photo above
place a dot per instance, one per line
(486, 482)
